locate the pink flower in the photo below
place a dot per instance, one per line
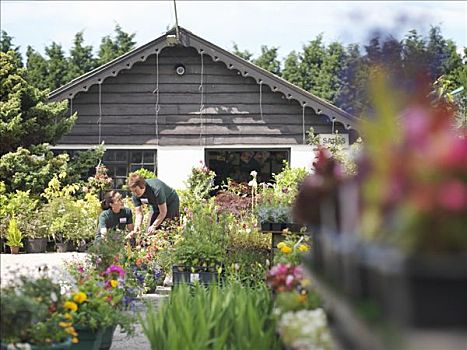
(289, 280)
(452, 195)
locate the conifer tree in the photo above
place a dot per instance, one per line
(268, 60)
(113, 48)
(37, 70)
(81, 58)
(57, 66)
(246, 55)
(26, 117)
(6, 44)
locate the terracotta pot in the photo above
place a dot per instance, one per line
(14, 250)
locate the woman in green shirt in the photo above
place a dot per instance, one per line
(114, 216)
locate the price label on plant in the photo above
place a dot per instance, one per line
(194, 277)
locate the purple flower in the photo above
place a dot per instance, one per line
(115, 268)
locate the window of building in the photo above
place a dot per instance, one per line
(237, 164)
(120, 162)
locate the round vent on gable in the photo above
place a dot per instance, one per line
(180, 69)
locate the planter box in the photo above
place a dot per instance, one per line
(185, 274)
(420, 292)
(36, 245)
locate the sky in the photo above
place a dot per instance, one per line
(287, 25)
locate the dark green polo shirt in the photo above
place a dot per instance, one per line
(156, 193)
(111, 220)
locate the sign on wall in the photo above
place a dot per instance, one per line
(333, 139)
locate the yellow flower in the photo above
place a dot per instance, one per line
(70, 305)
(302, 297)
(74, 340)
(280, 245)
(71, 331)
(64, 324)
(114, 283)
(80, 297)
(67, 316)
(286, 249)
(303, 248)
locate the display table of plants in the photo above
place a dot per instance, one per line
(389, 249)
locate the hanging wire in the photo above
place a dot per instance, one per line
(333, 122)
(303, 122)
(261, 99)
(71, 106)
(99, 121)
(157, 107)
(201, 105)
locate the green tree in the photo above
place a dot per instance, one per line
(81, 58)
(291, 71)
(6, 44)
(26, 117)
(37, 71)
(57, 66)
(113, 48)
(268, 60)
(246, 55)
(414, 57)
(310, 64)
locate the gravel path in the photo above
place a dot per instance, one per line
(29, 264)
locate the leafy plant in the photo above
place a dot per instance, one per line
(33, 311)
(14, 235)
(229, 317)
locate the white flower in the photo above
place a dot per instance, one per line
(253, 173)
(53, 296)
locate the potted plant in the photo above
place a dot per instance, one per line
(265, 218)
(34, 315)
(14, 236)
(201, 250)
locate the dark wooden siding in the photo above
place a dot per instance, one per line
(231, 115)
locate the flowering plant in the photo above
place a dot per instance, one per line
(100, 181)
(291, 250)
(414, 178)
(34, 311)
(284, 277)
(305, 330)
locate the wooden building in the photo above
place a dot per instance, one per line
(180, 99)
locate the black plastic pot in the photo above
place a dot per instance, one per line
(277, 226)
(36, 245)
(186, 274)
(266, 226)
(420, 291)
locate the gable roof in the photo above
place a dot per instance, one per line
(232, 61)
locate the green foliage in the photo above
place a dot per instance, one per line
(37, 69)
(33, 312)
(203, 239)
(22, 206)
(26, 116)
(147, 174)
(31, 170)
(268, 60)
(57, 66)
(81, 59)
(246, 55)
(6, 45)
(113, 48)
(78, 166)
(248, 251)
(13, 234)
(230, 317)
(200, 183)
(68, 218)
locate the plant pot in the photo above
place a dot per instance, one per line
(63, 247)
(421, 291)
(36, 245)
(88, 339)
(266, 226)
(277, 226)
(293, 227)
(107, 337)
(82, 246)
(58, 346)
(185, 274)
(14, 250)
